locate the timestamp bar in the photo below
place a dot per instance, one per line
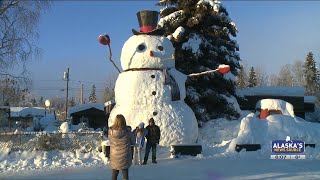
(285, 156)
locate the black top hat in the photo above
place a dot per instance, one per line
(148, 21)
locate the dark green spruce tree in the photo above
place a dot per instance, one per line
(311, 75)
(201, 33)
(93, 96)
(252, 78)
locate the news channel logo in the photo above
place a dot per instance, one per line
(288, 146)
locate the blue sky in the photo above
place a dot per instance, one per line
(270, 34)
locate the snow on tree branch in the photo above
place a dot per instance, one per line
(170, 17)
(178, 33)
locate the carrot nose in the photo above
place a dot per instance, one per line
(151, 53)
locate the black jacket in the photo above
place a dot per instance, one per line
(153, 135)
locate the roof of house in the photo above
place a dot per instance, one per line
(26, 111)
(274, 91)
(310, 99)
(83, 107)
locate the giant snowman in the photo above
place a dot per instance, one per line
(151, 87)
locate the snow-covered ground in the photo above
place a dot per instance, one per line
(219, 160)
(186, 169)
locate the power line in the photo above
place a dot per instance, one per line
(61, 80)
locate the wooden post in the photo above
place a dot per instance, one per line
(81, 98)
(67, 78)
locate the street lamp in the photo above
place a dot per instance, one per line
(47, 103)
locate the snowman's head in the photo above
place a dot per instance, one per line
(146, 51)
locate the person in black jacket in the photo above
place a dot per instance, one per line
(153, 138)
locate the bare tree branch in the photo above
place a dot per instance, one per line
(13, 76)
(4, 8)
(18, 31)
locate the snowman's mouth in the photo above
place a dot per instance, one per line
(143, 69)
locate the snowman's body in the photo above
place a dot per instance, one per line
(141, 94)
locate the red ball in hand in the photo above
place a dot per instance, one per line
(104, 39)
(223, 69)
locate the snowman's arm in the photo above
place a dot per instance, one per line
(110, 58)
(202, 73)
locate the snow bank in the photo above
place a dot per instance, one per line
(276, 127)
(50, 128)
(48, 120)
(27, 160)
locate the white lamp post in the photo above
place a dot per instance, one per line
(47, 103)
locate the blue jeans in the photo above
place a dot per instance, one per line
(154, 151)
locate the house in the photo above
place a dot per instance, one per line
(291, 94)
(25, 116)
(93, 114)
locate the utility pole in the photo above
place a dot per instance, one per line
(81, 100)
(66, 77)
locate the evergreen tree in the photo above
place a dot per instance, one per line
(41, 102)
(242, 78)
(252, 78)
(72, 102)
(93, 96)
(200, 32)
(33, 102)
(311, 75)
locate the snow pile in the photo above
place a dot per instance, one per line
(277, 127)
(83, 107)
(217, 131)
(276, 104)
(26, 160)
(48, 123)
(64, 127)
(48, 119)
(313, 116)
(51, 128)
